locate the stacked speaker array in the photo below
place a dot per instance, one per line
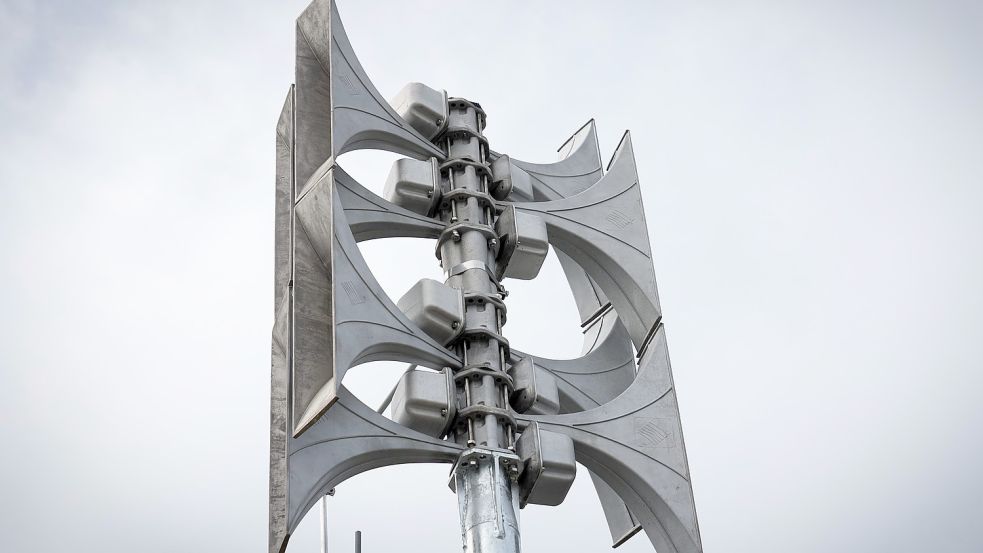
(615, 405)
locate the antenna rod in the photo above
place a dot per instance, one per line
(358, 541)
(392, 393)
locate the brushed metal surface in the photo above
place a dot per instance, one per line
(603, 230)
(331, 314)
(635, 444)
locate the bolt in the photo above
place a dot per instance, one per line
(493, 242)
(443, 412)
(456, 236)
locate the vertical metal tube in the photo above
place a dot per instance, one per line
(324, 524)
(486, 491)
(358, 541)
(489, 507)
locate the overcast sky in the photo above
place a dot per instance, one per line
(813, 178)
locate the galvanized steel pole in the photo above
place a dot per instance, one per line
(484, 478)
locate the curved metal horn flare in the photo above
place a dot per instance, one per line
(607, 367)
(604, 372)
(371, 216)
(341, 315)
(635, 444)
(578, 168)
(603, 230)
(331, 314)
(338, 107)
(350, 439)
(316, 338)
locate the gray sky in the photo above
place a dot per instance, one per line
(813, 179)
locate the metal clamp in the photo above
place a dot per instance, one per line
(465, 162)
(494, 299)
(475, 371)
(477, 410)
(460, 268)
(466, 193)
(487, 334)
(448, 233)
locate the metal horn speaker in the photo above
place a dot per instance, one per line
(331, 314)
(603, 230)
(338, 107)
(635, 444)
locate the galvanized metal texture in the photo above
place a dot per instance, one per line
(331, 314)
(635, 444)
(280, 363)
(342, 316)
(578, 168)
(349, 439)
(466, 250)
(371, 217)
(608, 365)
(605, 371)
(487, 500)
(338, 107)
(603, 230)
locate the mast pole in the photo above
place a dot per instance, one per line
(484, 477)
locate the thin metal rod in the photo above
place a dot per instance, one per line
(324, 524)
(358, 541)
(389, 399)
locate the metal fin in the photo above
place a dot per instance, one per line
(603, 230)
(341, 315)
(349, 439)
(338, 107)
(635, 444)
